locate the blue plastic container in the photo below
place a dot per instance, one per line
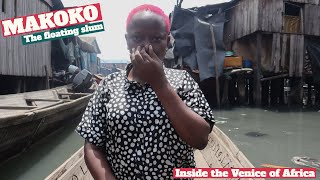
(247, 63)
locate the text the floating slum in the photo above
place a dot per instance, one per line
(63, 23)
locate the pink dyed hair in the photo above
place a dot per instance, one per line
(148, 7)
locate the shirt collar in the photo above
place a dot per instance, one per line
(128, 82)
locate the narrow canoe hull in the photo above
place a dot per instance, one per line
(220, 152)
(21, 126)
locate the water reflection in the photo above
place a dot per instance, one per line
(44, 157)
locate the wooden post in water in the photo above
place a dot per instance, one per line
(257, 71)
(47, 84)
(214, 57)
(241, 88)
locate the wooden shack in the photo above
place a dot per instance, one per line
(272, 34)
(31, 67)
(23, 67)
(92, 60)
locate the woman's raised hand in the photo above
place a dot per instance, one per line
(147, 67)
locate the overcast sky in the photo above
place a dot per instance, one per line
(114, 13)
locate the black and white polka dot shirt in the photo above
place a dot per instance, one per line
(129, 122)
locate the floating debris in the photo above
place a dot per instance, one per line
(272, 166)
(223, 118)
(220, 122)
(288, 132)
(236, 128)
(306, 161)
(243, 114)
(255, 134)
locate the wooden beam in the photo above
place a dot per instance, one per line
(214, 57)
(292, 59)
(301, 20)
(284, 50)
(274, 77)
(276, 52)
(18, 107)
(47, 84)
(48, 100)
(48, 106)
(257, 71)
(74, 94)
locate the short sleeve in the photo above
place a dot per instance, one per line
(93, 122)
(193, 97)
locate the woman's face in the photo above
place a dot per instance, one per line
(148, 28)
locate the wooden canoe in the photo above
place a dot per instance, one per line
(220, 152)
(27, 117)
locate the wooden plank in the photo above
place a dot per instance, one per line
(311, 19)
(292, 58)
(297, 51)
(3, 45)
(257, 75)
(23, 53)
(276, 52)
(316, 19)
(17, 107)
(1, 1)
(241, 84)
(274, 77)
(259, 15)
(301, 20)
(10, 47)
(284, 52)
(16, 64)
(66, 165)
(200, 160)
(243, 19)
(214, 58)
(78, 170)
(300, 55)
(74, 94)
(49, 100)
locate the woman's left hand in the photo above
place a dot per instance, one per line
(147, 67)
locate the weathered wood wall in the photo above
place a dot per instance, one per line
(243, 20)
(280, 53)
(297, 51)
(270, 16)
(249, 16)
(15, 58)
(312, 19)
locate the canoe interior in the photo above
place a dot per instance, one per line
(220, 152)
(28, 117)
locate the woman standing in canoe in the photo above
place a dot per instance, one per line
(143, 122)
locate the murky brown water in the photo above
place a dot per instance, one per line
(264, 136)
(44, 157)
(272, 137)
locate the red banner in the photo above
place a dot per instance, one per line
(244, 173)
